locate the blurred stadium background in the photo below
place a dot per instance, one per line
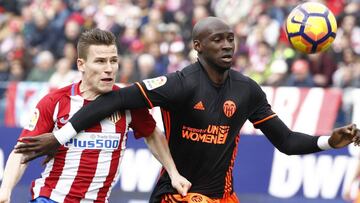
(311, 93)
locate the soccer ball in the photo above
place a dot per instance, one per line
(311, 27)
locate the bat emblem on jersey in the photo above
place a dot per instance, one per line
(229, 108)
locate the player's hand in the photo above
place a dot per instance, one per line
(343, 136)
(4, 197)
(33, 147)
(181, 184)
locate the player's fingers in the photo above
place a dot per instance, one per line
(181, 191)
(29, 139)
(25, 150)
(186, 186)
(353, 129)
(357, 132)
(25, 145)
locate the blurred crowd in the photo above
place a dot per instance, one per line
(38, 39)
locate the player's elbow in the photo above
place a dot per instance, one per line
(287, 150)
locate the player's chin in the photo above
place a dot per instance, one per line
(225, 64)
(105, 89)
(225, 67)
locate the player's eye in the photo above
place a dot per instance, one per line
(217, 39)
(99, 61)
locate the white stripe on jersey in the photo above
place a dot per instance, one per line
(104, 161)
(63, 186)
(100, 174)
(40, 182)
(116, 178)
(56, 112)
(72, 159)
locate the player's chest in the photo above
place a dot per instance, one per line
(117, 122)
(216, 105)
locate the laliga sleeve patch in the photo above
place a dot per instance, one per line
(33, 120)
(154, 83)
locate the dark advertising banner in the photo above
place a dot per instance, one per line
(261, 174)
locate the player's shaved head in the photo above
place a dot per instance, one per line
(206, 26)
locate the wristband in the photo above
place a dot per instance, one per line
(65, 133)
(323, 143)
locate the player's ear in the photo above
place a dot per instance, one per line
(197, 45)
(80, 64)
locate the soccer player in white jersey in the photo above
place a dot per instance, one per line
(85, 168)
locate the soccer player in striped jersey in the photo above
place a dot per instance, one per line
(204, 107)
(86, 167)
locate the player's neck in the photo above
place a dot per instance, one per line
(216, 75)
(86, 92)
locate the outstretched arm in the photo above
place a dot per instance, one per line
(158, 146)
(14, 170)
(105, 105)
(290, 142)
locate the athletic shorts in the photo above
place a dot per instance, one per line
(197, 198)
(42, 200)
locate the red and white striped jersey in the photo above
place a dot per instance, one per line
(85, 168)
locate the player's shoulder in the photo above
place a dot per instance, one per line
(237, 76)
(242, 79)
(56, 94)
(190, 70)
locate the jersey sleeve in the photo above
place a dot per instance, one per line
(260, 109)
(162, 91)
(142, 123)
(41, 120)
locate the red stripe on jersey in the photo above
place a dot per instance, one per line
(32, 189)
(84, 176)
(55, 173)
(115, 160)
(121, 124)
(167, 124)
(63, 111)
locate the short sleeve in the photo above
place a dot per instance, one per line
(142, 123)
(163, 91)
(260, 109)
(41, 120)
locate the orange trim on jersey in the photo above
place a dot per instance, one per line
(145, 95)
(167, 123)
(197, 198)
(265, 119)
(228, 178)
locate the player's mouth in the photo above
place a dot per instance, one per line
(227, 58)
(107, 79)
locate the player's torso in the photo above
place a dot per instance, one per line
(204, 130)
(86, 166)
